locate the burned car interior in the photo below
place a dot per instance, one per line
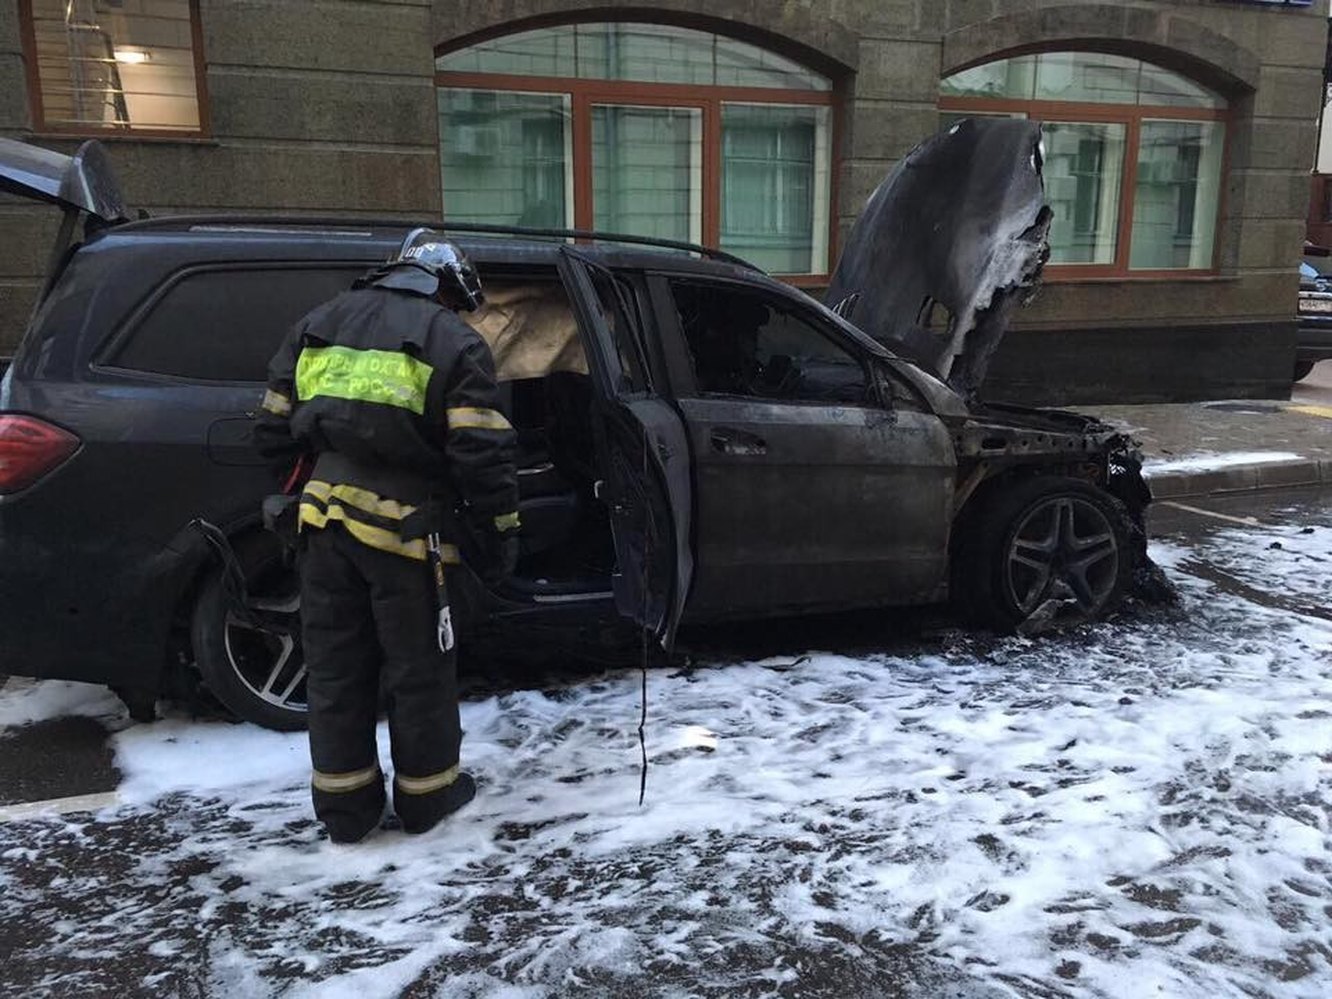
(546, 392)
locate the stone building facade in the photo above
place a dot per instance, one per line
(1185, 198)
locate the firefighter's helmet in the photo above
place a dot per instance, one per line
(428, 264)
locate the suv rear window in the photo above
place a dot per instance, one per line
(225, 324)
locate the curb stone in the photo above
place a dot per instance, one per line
(1241, 478)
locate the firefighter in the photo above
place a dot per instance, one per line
(393, 398)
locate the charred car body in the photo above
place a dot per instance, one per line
(698, 440)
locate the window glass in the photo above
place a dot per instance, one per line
(647, 53)
(1086, 77)
(741, 65)
(775, 186)
(1011, 78)
(1162, 88)
(226, 325)
(1082, 77)
(747, 343)
(1084, 164)
(647, 171)
(1174, 204)
(506, 157)
(644, 53)
(1177, 193)
(113, 64)
(548, 52)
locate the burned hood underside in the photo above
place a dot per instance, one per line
(960, 223)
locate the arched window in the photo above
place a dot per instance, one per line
(642, 129)
(1133, 156)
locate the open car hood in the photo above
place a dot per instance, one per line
(961, 223)
(83, 182)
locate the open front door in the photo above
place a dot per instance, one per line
(644, 450)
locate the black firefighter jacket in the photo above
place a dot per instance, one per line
(396, 396)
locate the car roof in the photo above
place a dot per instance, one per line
(273, 237)
(210, 239)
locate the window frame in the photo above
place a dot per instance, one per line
(40, 126)
(1132, 117)
(583, 93)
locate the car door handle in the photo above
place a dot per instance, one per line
(726, 440)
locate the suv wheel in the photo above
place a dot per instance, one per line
(1044, 539)
(251, 658)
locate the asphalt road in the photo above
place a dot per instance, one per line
(71, 757)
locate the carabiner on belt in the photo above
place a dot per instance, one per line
(444, 624)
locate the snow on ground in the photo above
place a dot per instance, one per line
(1139, 808)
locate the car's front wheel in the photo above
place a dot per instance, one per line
(250, 655)
(1044, 544)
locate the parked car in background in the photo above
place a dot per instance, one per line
(1313, 341)
(698, 442)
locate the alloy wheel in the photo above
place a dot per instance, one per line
(1064, 548)
(264, 649)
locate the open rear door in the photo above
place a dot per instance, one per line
(644, 449)
(83, 182)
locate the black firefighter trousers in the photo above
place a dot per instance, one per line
(369, 623)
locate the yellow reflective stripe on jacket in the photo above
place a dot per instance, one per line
(388, 377)
(426, 785)
(367, 534)
(477, 418)
(276, 403)
(352, 780)
(362, 499)
(367, 517)
(508, 522)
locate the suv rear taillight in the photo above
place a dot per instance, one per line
(29, 448)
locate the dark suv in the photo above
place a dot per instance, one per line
(699, 442)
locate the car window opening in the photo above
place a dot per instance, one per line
(758, 345)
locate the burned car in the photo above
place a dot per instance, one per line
(699, 441)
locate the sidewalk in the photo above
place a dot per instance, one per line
(1231, 446)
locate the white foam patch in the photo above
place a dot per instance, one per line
(23, 702)
(1137, 808)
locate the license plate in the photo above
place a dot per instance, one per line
(1316, 304)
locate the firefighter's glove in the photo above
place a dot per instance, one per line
(499, 540)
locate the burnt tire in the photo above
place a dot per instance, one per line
(250, 658)
(1039, 540)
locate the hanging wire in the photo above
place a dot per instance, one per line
(647, 602)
